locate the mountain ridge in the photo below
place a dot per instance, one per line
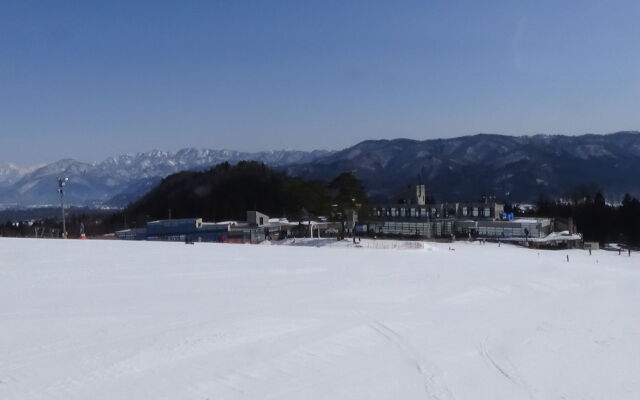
(518, 168)
(120, 179)
(508, 167)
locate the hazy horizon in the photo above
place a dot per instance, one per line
(90, 81)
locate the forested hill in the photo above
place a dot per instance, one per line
(227, 191)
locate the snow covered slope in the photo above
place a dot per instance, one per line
(143, 320)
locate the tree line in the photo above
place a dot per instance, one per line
(227, 192)
(596, 219)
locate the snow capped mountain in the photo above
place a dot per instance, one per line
(159, 163)
(120, 179)
(11, 173)
(453, 169)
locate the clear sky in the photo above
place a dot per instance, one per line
(89, 79)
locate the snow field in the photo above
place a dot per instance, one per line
(122, 320)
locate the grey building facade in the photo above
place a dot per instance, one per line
(484, 219)
(178, 230)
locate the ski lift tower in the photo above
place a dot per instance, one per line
(61, 183)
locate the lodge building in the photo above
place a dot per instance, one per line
(486, 218)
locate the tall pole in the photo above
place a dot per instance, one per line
(61, 183)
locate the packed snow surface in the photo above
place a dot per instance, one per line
(143, 320)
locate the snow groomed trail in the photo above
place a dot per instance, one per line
(122, 320)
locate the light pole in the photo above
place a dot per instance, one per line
(61, 183)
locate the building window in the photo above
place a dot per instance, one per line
(464, 211)
(487, 212)
(475, 211)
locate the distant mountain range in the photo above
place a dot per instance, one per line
(119, 180)
(520, 168)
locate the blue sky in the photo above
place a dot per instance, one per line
(88, 79)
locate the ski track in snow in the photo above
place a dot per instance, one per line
(120, 320)
(432, 387)
(506, 369)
